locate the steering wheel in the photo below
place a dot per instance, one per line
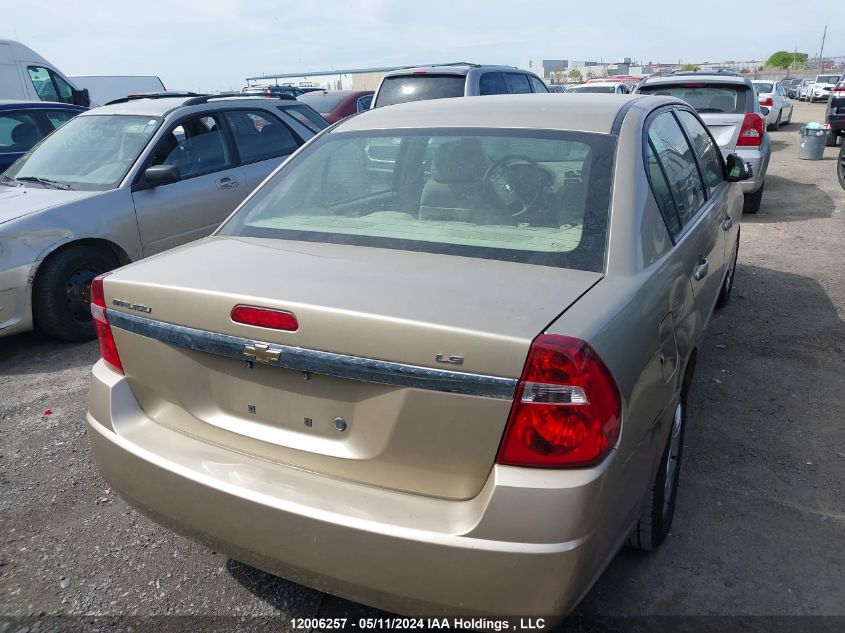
(518, 181)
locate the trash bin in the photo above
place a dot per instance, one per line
(813, 141)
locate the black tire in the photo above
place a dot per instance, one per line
(61, 292)
(656, 518)
(752, 201)
(840, 166)
(774, 127)
(831, 139)
(728, 283)
(789, 120)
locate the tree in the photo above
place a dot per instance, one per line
(785, 59)
(690, 67)
(575, 75)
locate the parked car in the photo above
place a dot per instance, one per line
(612, 87)
(823, 86)
(805, 89)
(557, 88)
(463, 80)
(772, 95)
(727, 103)
(790, 85)
(26, 76)
(834, 115)
(105, 88)
(335, 105)
(346, 410)
(24, 123)
(122, 182)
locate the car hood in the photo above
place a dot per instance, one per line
(16, 202)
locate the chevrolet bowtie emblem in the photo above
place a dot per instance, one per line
(262, 352)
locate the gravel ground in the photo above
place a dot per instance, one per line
(759, 528)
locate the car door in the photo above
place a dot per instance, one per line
(210, 184)
(262, 141)
(699, 236)
(19, 132)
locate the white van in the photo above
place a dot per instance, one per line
(27, 76)
(104, 88)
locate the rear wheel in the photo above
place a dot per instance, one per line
(774, 127)
(831, 138)
(789, 119)
(61, 293)
(752, 201)
(656, 519)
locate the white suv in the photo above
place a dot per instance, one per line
(823, 87)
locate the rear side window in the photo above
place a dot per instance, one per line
(677, 159)
(59, 117)
(403, 89)
(708, 153)
(307, 116)
(492, 84)
(259, 136)
(18, 132)
(517, 83)
(364, 103)
(705, 98)
(537, 85)
(662, 194)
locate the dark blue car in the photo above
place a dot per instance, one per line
(24, 123)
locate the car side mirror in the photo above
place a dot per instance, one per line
(737, 169)
(81, 97)
(158, 175)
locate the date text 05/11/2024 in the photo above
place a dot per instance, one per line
(403, 623)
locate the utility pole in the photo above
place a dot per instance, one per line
(821, 50)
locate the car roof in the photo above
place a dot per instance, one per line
(457, 69)
(698, 77)
(14, 104)
(599, 83)
(165, 105)
(587, 112)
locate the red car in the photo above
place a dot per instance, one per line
(335, 105)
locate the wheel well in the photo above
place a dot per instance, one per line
(119, 254)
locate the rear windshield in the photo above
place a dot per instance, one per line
(306, 115)
(764, 87)
(322, 103)
(827, 79)
(704, 97)
(419, 87)
(536, 197)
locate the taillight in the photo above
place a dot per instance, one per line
(751, 132)
(567, 410)
(767, 102)
(108, 348)
(265, 317)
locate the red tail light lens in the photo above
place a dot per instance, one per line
(108, 348)
(265, 317)
(751, 132)
(767, 102)
(567, 410)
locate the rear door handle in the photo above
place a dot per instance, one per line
(227, 183)
(727, 223)
(700, 270)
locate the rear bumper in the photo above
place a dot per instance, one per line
(759, 160)
(527, 544)
(15, 300)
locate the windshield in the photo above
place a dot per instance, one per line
(514, 195)
(827, 79)
(91, 152)
(419, 87)
(704, 97)
(593, 88)
(323, 103)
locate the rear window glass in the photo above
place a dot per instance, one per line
(765, 87)
(705, 98)
(419, 87)
(827, 79)
(322, 103)
(513, 195)
(594, 88)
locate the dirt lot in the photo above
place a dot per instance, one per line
(760, 524)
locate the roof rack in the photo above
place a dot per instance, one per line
(200, 99)
(717, 71)
(153, 95)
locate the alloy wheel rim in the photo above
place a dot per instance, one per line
(672, 461)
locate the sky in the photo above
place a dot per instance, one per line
(215, 44)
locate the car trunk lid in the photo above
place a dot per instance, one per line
(401, 372)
